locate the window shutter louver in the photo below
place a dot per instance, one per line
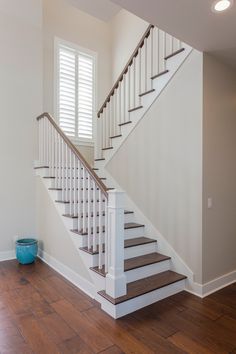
(75, 93)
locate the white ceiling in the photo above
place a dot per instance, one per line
(102, 9)
(192, 21)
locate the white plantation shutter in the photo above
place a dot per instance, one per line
(75, 96)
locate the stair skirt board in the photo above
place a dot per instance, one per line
(129, 306)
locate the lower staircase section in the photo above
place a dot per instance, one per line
(127, 270)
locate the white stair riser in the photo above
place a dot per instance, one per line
(141, 250)
(131, 252)
(99, 281)
(134, 274)
(147, 271)
(117, 311)
(133, 233)
(73, 223)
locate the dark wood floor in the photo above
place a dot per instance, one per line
(40, 312)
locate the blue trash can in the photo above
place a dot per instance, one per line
(26, 250)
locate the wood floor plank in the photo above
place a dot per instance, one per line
(94, 337)
(128, 343)
(68, 292)
(35, 336)
(56, 328)
(187, 344)
(41, 312)
(112, 350)
(74, 345)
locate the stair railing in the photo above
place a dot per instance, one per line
(147, 62)
(99, 212)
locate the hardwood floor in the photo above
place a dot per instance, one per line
(41, 312)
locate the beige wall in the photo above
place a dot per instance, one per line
(160, 164)
(54, 238)
(20, 103)
(219, 169)
(127, 30)
(87, 152)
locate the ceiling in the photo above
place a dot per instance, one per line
(191, 21)
(102, 9)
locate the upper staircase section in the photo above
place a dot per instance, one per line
(155, 60)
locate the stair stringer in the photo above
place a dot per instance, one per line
(173, 64)
(177, 264)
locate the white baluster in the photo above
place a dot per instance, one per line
(89, 214)
(100, 227)
(107, 262)
(129, 90)
(146, 64)
(79, 196)
(94, 215)
(71, 184)
(53, 152)
(84, 200)
(116, 279)
(63, 173)
(134, 82)
(75, 209)
(152, 54)
(56, 158)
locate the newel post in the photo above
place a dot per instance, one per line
(115, 279)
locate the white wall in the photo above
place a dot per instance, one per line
(219, 169)
(54, 238)
(127, 30)
(20, 103)
(160, 163)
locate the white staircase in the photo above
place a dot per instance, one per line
(124, 263)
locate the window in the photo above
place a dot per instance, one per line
(75, 73)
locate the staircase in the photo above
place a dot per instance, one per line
(125, 265)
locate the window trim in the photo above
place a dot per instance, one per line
(57, 42)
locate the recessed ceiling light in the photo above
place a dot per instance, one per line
(221, 5)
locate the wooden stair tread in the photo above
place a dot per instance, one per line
(132, 225)
(132, 242)
(136, 262)
(107, 148)
(127, 226)
(129, 122)
(159, 74)
(67, 202)
(116, 136)
(175, 53)
(146, 93)
(135, 242)
(76, 216)
(144, 286)
(134, 109)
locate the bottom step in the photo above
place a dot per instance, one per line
(142, 293)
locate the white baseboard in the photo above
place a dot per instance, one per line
(68, 273)
(213, 285)
(7, 255)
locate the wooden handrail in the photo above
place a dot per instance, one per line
(100, 184)
(120, 78)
